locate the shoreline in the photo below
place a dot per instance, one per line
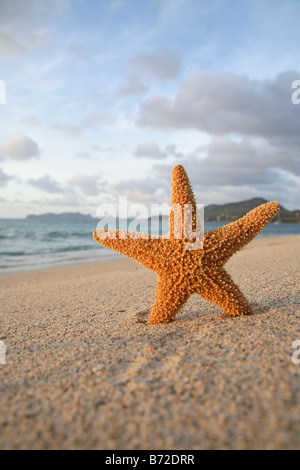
(59, 264)
(84, 371)
(109, 256)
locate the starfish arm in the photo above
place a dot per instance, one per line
(183, 206)
(146, 250)
(221, 244)
(181, 189)
(220, 289)
(170, 296)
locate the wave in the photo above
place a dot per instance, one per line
(56, 234)
(13, 253)
(62, 234)
(24, 247)
(74, 248)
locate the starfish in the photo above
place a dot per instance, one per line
(181, 271)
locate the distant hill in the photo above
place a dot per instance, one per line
(235, 210)
(64, 217)
(219, 212)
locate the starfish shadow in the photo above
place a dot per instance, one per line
(201, 310)
(142, 316)
(288, 302)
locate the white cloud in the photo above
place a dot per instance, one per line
(249, 161)
(39, 36)
(227, 170)
(20, 147)
(221, 102)
(20, 23)
(98, 117)
(83, 154)
(143, 190)
(89, 184)
(226, 162)
(149, 150)
(4, 178)
(164, 64)
(134, 86)
(68, 129)
(66, 200)
(46, 183)
(9, 45)
(172, 150)
(19, 14)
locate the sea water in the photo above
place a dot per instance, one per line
(27, 245)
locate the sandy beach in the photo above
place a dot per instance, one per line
(84, 371)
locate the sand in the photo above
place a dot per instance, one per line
(84, 371)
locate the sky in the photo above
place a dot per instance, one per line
(104, 97)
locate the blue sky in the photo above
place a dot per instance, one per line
(104, 97)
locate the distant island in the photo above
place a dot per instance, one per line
(235, 210)
(69, 217)
(213, 212)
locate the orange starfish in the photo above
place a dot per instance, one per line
(181, 271)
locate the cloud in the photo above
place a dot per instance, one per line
(98, 117)
(228, 170)
(134, 86)
(80, 51)
(149, 150)
(68, 198)
(19, 23)
(172, 150)
(141, 190)
(46, 183)
(274, 184)
(226, 162)
(68, 129)
(4, 178)
(254, 149)
(164, 64)
(39, 36)
(20, 147)
(220, 103)
(84, 155)
(89, 184)
(250, 161)
(9, 46)
(19, 14)
(33, 121)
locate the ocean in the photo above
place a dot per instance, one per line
(27, 245)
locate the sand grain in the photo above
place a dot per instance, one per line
(84, 371)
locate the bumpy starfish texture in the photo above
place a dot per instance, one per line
(181, 271)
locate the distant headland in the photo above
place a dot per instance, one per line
(213, 212)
